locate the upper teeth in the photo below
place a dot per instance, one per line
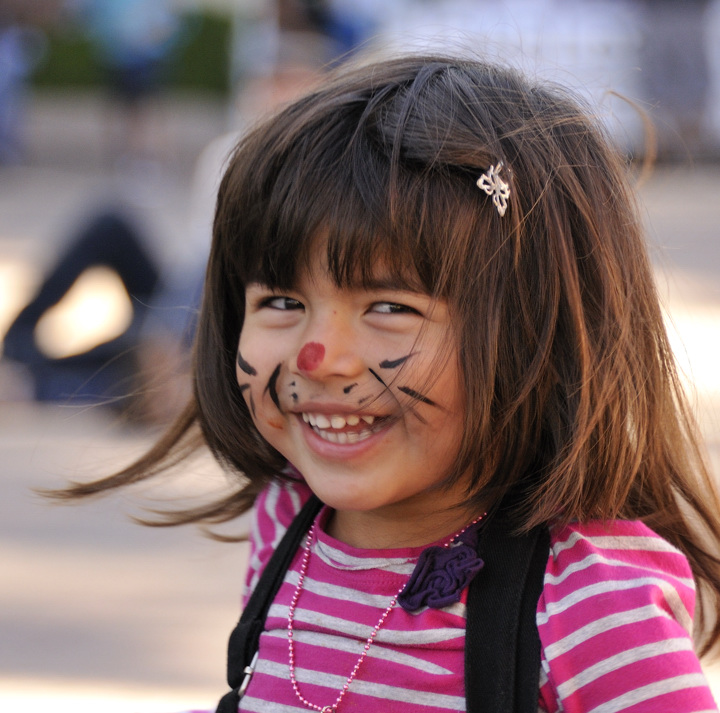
(335, 421)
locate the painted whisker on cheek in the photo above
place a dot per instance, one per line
(293, 395)
(410, 392)
(252, 406)
(244, 388)
(387, 388)
(395, 363)
(348, 389)
(244, 366)
(417, 395)
(271, 387)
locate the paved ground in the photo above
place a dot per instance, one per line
(97, 613)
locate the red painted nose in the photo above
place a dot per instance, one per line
(310, 356)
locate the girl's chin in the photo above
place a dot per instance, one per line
(338, 496)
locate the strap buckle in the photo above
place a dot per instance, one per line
(248, 671)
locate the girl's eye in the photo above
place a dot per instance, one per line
(392, 308)
(281, 303)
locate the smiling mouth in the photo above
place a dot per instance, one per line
(350, 428)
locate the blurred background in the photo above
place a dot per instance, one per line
(115, 119)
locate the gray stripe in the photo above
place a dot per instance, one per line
(344, 594)
(652, 690)
(364, 688)
(617, 585)
(599, 626)
(349, 594)
(625, 658)
(383, 653)
(616, 542)
(348, 628)
(341, 560)
(251, 704)
(590, 560)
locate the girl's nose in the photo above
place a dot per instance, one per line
(329, 350)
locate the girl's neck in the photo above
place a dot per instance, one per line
(380, 530)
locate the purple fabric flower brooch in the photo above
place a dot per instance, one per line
(442, 573)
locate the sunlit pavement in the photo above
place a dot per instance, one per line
(91, 605)
(99, 614)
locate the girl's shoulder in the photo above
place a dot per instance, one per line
(278, 503)
(600, 565)
(616, 548)
(615, 622)
(274, 510)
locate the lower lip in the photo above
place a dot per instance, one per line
(340, 451)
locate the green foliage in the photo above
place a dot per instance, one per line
(200, 62)
(68, 61)
(204, 59)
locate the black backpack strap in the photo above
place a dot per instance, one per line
(502, 645)
(245, 638)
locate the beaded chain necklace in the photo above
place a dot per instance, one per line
(332, 708)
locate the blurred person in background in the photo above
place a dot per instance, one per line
(61, 365)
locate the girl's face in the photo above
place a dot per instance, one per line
(359, 389)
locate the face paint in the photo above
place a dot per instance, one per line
(416, 395)
(249, 370)
(271, 387)
(276, 423)
(394, 363)
(410, 392)
(349, 388)
(310, 356)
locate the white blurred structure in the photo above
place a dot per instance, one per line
(593, 46)
(590, 46)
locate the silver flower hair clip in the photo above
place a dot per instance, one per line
(494, 186)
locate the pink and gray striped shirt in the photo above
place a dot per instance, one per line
(614, 618)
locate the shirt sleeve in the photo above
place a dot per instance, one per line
(615, 624)
(274, 510)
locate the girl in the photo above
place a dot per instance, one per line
(428, 303)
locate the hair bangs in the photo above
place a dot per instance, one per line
(375, 214)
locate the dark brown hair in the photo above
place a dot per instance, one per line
(573, 403)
